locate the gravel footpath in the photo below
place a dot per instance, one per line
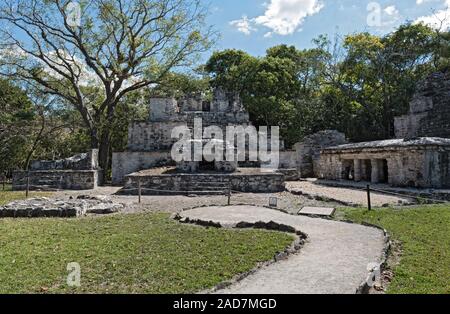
(334, 259)
(175, 203)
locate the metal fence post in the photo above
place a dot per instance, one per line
(229, 194)
(369, 203)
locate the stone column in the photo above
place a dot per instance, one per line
(375, 171)
(358, 173)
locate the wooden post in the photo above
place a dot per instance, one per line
(229, 194)
(369, 203)
(139, 190)
(27, 192)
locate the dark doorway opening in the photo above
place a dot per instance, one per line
(206, 106)
(385, 174)
(207, 165)
(367, 170)
(348, 170)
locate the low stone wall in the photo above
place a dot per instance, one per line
(127, 163)
(85, 161)
(57, 179)
(167, 184)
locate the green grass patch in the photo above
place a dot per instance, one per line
(142, 253)
(424, 234)
(8, 195)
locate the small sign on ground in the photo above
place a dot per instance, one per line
(317, 211)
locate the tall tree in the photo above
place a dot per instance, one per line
(119, 47)
(16, 115)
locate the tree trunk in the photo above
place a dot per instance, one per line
(94, 139)
(103, 155)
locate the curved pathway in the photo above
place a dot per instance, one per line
(333, 260)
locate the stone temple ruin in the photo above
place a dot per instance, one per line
(419, 157)
(148, 161)
(80, 172)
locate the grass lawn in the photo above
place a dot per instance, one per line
(424, 234)
(7, 195)
(142, 253)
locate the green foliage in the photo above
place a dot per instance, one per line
(16, 112)
(179, 85)
(444, 51)
(357, 87)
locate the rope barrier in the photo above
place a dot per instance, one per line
(172, 191)
(402, 195)
(409, 196)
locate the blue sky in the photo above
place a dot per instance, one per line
(255, 25)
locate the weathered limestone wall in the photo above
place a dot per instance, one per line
(308, 151)
(126, 163)
(80, 172)
(429, 110)
(162, 109)
(149, 137)
(288, 159)
(57, 179)
(255, 183)
(86, 161)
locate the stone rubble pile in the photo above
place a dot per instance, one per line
(47, 207)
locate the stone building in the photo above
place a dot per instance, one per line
(148, 160)
(419, 157)
(421, 162)
(80, 172)
(150, 142)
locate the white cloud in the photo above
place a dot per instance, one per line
(282, 17)
(243, 25)
(392, 10)
(439, 19)
(419, 2)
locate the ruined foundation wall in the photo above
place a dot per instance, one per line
(263, 183)
(80, 172)
(57, 179)
(85, 161)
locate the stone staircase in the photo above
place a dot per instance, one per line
(198, 185)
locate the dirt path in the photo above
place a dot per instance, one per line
(175, 203)
(334, 259)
